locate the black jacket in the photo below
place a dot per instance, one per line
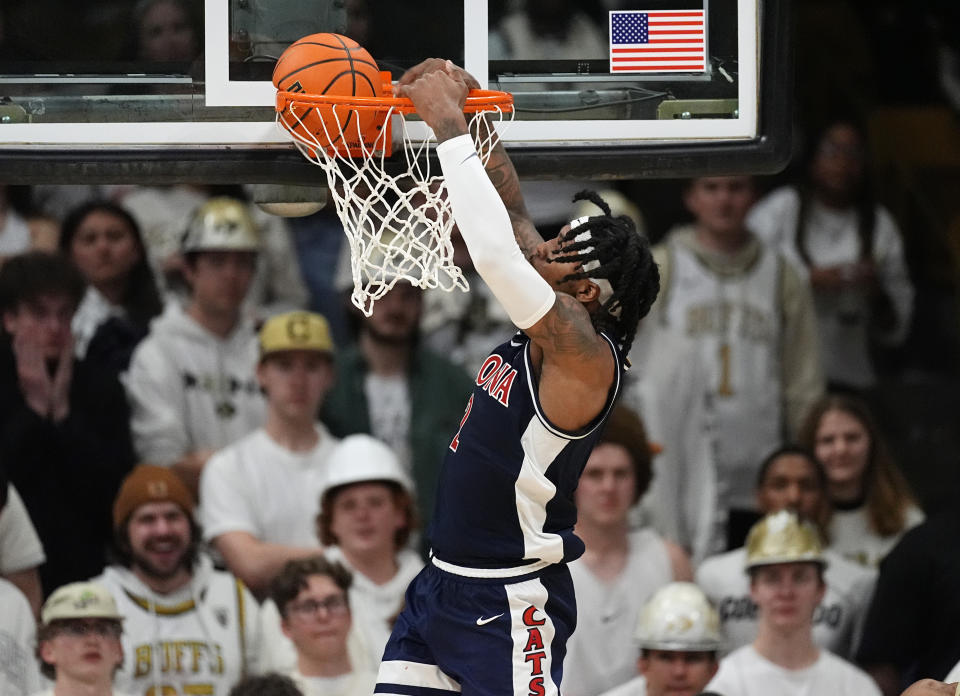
(67, 473)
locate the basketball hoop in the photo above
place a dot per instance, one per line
(398, 225)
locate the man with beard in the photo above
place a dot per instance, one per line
(390, 386)
(189, 629)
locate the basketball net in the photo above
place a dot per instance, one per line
(398, 225)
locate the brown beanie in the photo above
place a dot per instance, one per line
(150, 484)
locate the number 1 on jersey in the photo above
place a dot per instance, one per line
(466, 414)
(725, 388)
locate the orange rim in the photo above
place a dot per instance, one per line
(477, 100)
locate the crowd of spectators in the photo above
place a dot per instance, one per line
(232, 477)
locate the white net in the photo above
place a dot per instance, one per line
(398, 225)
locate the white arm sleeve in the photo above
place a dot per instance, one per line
(485, 225)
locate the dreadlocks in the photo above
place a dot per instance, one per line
(624, 260)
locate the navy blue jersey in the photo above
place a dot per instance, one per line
(505, 495)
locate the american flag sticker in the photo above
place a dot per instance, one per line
(650, 41)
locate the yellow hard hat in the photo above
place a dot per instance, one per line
(782, 537)
(79, 600)
(295, 331)
(221, 224)
(678, 617)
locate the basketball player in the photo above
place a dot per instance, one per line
(492, 612)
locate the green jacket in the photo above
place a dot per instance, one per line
(439, 390)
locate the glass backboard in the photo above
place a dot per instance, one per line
(158, 91)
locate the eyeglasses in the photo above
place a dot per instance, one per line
(105, 628)
(335, 605)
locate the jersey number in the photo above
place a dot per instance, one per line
(724, 388)
(466, 414)
(188, 690)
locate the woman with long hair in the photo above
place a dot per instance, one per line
(834, 231)
(872, 502)
(104, 242)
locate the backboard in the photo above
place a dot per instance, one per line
(163, 91)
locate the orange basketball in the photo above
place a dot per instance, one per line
(335, 65)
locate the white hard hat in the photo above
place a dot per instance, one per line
(79, 600)
(359, 458)
(221, 224)
(678, 617)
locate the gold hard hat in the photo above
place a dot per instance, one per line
(221, 224)
(783, 538)
(295, 331)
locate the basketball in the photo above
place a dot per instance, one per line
(334, 65)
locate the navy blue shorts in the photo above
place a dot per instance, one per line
(489, 636)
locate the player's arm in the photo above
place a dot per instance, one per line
(492, 218)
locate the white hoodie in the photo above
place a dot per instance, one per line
(201, 638)
(191, 390)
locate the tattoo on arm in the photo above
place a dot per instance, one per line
(504, 177)
(450, 128)
(567, 331)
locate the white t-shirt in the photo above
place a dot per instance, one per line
(635, 687)
(852, 537)
(374, 606)
(746, 673)
(836, 623)
(255, 485)
(601, 652)
(19, 674)
(356, 683)
(388, 403)
(20, 547)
